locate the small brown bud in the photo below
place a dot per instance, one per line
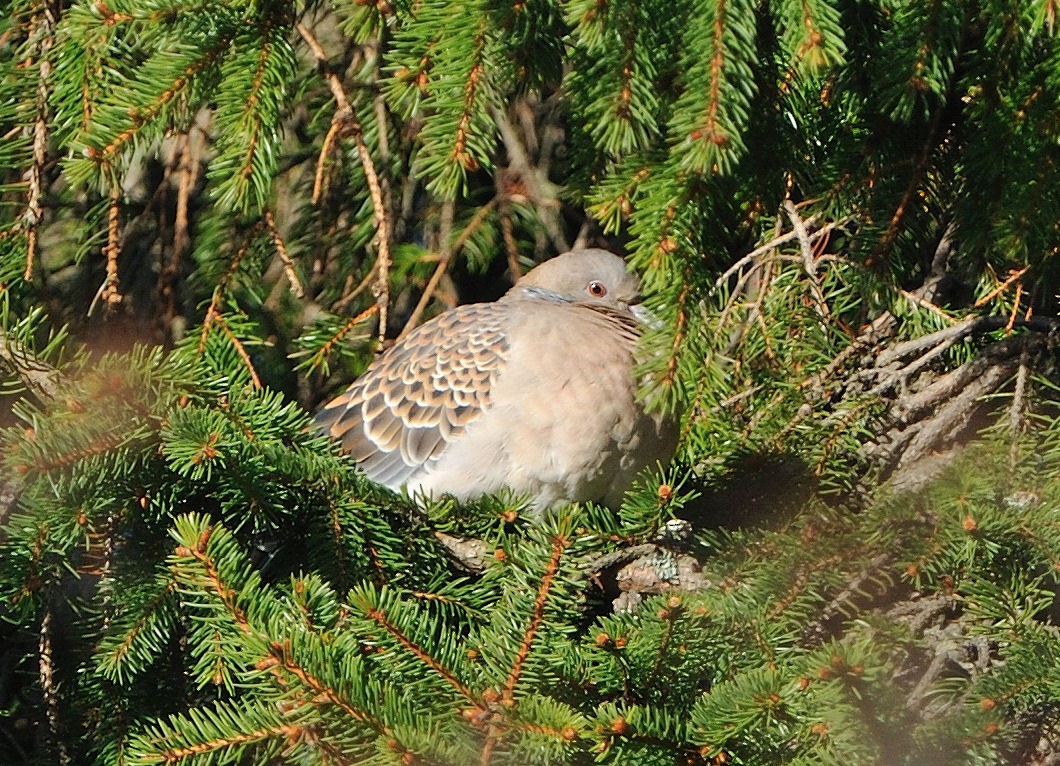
(619, 726)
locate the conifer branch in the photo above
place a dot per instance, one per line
(342, 576)
(379, 617)
(214, 309)
(104, 444)
(920, 168)
(1014, 276)
(217, 317)
(119, 653)
(278, 651)
(459, 153)
(559, 545)
(323, 690)
(142, 116)
(711, 130)
(325, 349)
(290, 732)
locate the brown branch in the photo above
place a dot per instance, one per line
(285, 256)
(240, 349)
(323, 689)
(1013, 276)
(45, 668)
(104, 444)
(137, 628)
(278, 653)
(289, 731)
(111, 294)
(511, 247)
(443, 265)
(894, 226)
(142, 116)
(346, 117)
(325, 349)
(809, 263)
(214, 309)
(717, 64)
(334, 131)
(44, 30)
(559, 544)
(380, 618)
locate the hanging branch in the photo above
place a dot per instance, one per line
(110, 292)
(285, 256)
(46, 665)
(45, 31)
(345, 121)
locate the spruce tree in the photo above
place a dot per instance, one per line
(846, 216)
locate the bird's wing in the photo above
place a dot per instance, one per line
(421, 394)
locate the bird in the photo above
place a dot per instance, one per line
(535, 393)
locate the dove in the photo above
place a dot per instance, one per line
(534, 393)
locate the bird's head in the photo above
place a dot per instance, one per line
(590, 276)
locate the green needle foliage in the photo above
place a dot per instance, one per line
(846, 216)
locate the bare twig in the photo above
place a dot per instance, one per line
(346, 117)
(45, 667)
(237, 344)
(808, 261)
(443, 265)
(540, 191)
(285, 256)
(1013, 276)
(110, 292)
(44, 30)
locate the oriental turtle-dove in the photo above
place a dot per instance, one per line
(535, 392)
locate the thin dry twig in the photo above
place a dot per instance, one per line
(46, 676)
(111, 294)
(285, 256)
(347, 118)
(1013, 276)
(44, 30)
(443, 265)
(808, 261)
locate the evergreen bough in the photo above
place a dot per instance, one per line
(847, 218)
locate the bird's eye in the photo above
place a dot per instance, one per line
(597, 289)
